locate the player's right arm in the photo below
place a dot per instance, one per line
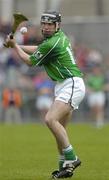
(29, 49)
(23, 55)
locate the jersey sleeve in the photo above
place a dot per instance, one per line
(41, 55)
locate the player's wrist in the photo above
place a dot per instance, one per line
(16, 46)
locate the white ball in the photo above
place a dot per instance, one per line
(23, 30)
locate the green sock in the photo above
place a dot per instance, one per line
(61, 161)
(69, 153)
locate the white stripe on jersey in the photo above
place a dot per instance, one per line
(65, 68)
(57, 70)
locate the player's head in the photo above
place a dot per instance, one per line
(50, 23)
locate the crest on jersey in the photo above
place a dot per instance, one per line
(38, 54)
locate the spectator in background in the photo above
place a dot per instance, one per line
(95, 94)
(94, 57)
(106, 68)
(81, 52)
(44, 88)
(13, 59)
(11, 104)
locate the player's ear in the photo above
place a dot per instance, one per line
(57, 26)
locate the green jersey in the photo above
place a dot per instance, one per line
(55, 54)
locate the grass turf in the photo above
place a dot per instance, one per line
(28, 152)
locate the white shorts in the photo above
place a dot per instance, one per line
(71, 91)
(96, 98)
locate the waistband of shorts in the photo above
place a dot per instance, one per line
(73, 77)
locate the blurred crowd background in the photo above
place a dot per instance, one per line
(26, 92)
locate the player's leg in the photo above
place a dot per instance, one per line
(64, 121)
(66, 155)
(56, 113)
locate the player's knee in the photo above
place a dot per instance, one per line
(48, 120)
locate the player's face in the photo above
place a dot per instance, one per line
(48, 29)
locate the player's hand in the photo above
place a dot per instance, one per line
(9, 42)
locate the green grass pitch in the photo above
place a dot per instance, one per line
(28, 152)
